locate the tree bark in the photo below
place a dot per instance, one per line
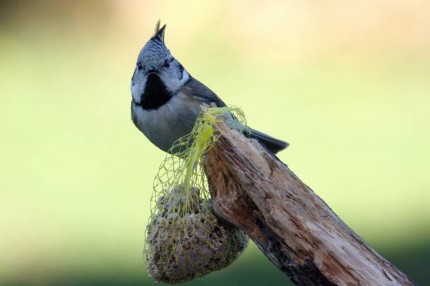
(296, 230)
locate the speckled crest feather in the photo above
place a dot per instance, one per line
(159, 32)
(155, 49)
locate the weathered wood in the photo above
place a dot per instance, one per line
(294, 228)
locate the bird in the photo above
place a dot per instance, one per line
(166, 99)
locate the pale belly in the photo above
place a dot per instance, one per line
(168, 123)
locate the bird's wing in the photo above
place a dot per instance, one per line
(201, 92)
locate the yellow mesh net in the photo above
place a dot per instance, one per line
(184, 239)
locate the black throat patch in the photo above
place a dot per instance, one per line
(155, 94)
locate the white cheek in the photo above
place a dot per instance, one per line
(138, 88)
(185, 77)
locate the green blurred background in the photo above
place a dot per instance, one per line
(347, 83)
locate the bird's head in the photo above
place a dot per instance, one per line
(156, 69)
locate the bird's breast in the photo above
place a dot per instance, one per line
(171, 121)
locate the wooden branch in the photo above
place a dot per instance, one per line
(295, 229)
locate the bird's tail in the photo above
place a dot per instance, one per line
(272, 144)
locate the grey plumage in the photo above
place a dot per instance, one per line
(166, 99)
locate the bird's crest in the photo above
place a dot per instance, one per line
(159, 32)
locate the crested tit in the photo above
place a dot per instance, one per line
(166, 99)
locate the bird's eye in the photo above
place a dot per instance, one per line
(139, 66)
(166, 64)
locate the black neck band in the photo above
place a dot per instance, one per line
(155, 94)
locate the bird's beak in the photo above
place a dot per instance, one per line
(151, 72)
